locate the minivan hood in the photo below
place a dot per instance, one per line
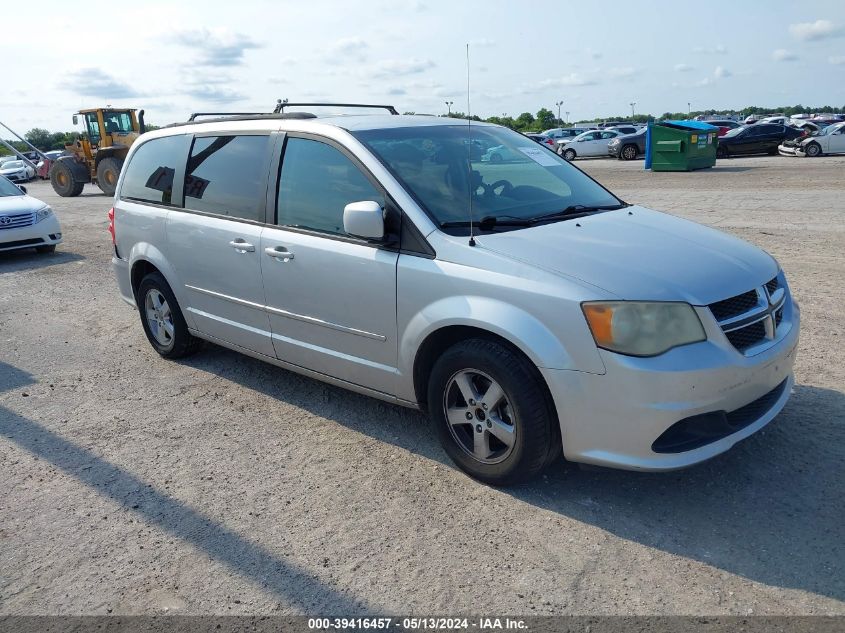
(639, 254)
(19, 204)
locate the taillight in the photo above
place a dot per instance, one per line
(111, 225)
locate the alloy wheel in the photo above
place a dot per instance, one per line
(159, 317)
(480, 416)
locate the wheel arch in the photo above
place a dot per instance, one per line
(145, 259)
(76, 167)
(110, 152)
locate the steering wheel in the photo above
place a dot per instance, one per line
(490, 190)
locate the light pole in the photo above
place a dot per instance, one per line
(567, 117)
(689, 109)
(632, 104)
(449, 105)
(558, 104)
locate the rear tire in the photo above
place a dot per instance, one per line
(496, 158)
(470, 428)
(162, 319)
(569, 154)
(63, 181)
(108, 171)
(721, 152)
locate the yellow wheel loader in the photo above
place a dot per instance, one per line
(98, 154)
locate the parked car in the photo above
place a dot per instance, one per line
(591, 143)
(628, 146)
(831, 140)
(777, 120)
(751, 119)
(625, 129)
(26, 222)
(499, 154)
(42, 169)
(17, 171)
(760, 138)
(558, 318)
(724, 125)
(542, 139)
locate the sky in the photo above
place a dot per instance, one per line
(174, 58)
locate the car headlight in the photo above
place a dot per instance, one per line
(614, 141)
(43, 214)
(639, 328)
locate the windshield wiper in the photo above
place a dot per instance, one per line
(576, 211)
(488, 222)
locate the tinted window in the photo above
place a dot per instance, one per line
(149, 175)
(317, 182)
(226, 175)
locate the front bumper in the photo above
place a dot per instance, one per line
(44, 233)
(791, 150)
(613, 150)
(614, 419)
(17, 176)
(124, 279)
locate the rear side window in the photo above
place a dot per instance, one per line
(227, 175)
(149, 175)
(317, 182)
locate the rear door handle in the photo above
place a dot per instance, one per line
(242, 246)
(280, 253)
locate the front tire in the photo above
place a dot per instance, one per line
(813, 150)
(491, 412)
(162, 319)
(64, 184)
(629, 152)
(569, 154)
(108, 171)
(46, 249)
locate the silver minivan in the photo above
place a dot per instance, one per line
(522, 305)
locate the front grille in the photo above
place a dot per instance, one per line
(706, 428)
(734, 306)
(17, 220)
(772, 285)
(746, 337)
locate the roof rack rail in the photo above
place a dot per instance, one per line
(196, 114)
(281, 105)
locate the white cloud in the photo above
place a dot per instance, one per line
(401, 67)
(783, 55)
(683, 68)
(721, 72)
(93, 82)
(818, 30)
(217, 47)
(836, 60)
(482, 42)
(347, 46)
(593, 54)
(572, 79)
(619, 73)
(711, 50)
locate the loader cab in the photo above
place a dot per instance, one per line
(107, 127)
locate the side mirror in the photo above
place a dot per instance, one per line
(22, 188)
(364, 219)
(75, 120)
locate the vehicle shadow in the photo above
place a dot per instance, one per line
(29, 259)
(770, 510)
(720, 169)
(295, 586)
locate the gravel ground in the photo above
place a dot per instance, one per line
(223, 485)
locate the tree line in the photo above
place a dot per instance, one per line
(544, 119)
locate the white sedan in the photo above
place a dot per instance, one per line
(26, 222)
(831, 140)
(17, 171)
(592, 143)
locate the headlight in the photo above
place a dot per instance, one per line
(43, 214)
(614, 141)
(642, 329)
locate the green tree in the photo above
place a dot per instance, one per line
(525, 121)
(545, 119)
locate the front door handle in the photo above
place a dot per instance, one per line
(280, 253)
(242, 246)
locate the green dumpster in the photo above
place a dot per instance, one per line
(681, 145)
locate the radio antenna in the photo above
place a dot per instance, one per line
(469, 158)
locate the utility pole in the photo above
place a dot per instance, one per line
(689, 109)
(632, 104)
(449, 105)
(558, 104)
(567, 117)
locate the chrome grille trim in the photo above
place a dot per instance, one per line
(16, 220)
(743, 330)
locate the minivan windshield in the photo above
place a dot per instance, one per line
(509, 180)
(8, 189)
